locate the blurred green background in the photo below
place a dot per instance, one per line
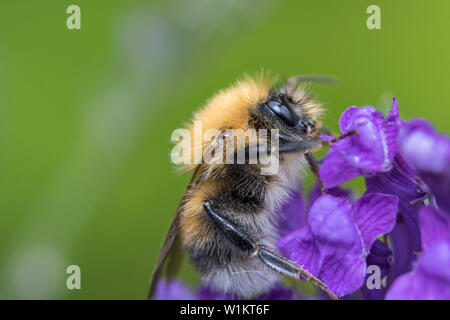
(86, 115)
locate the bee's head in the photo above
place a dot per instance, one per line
(289, 111)
(259, 103)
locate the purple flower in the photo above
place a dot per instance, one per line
(429, 153)
(173, 289)
(423, 147)
(279, 292)
(405, 238)
(316, 193)
(371, 149)
(426, 282)
(338, 238)
(293, 213)
(434, 226)
(206, 293)
(431, 277)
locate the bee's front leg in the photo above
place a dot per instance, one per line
(244, 242)
(300, 146)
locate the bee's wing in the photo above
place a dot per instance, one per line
(171, 249)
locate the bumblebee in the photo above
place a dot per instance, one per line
(227, 221)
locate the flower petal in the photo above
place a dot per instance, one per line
(425, 149)
(331, 223)
(392, 125)
(405, 237)
(439, 184)
(435, 261)
(430, 280)
(350, 117)
(429, 153)
(206, 293)
(404, 240)
(394, 114)
(279, 292)
(369, 149)
(343, 272)
(336, 170)
(316, 193)
(293, 213)
(399, 181)
(173, 290)
(375, 214)
(434, 226)
(301, 248)
(330, 246)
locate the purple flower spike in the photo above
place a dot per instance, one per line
(429, 153)
(338, 238)
(431, 277)
(370, 150)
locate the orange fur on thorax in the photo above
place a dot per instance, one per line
(229, 109)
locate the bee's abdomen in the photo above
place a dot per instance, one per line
(228, 268)
(237, 192)
(239, 195)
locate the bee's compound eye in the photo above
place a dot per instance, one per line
(285, 113)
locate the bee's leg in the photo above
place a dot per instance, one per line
(310, 144)
(243, 241)
(291, 269)
(299, 146)
(342, 136)
(314, 165)
(291, 146)
(232, 232)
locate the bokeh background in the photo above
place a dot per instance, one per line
(86, 115)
